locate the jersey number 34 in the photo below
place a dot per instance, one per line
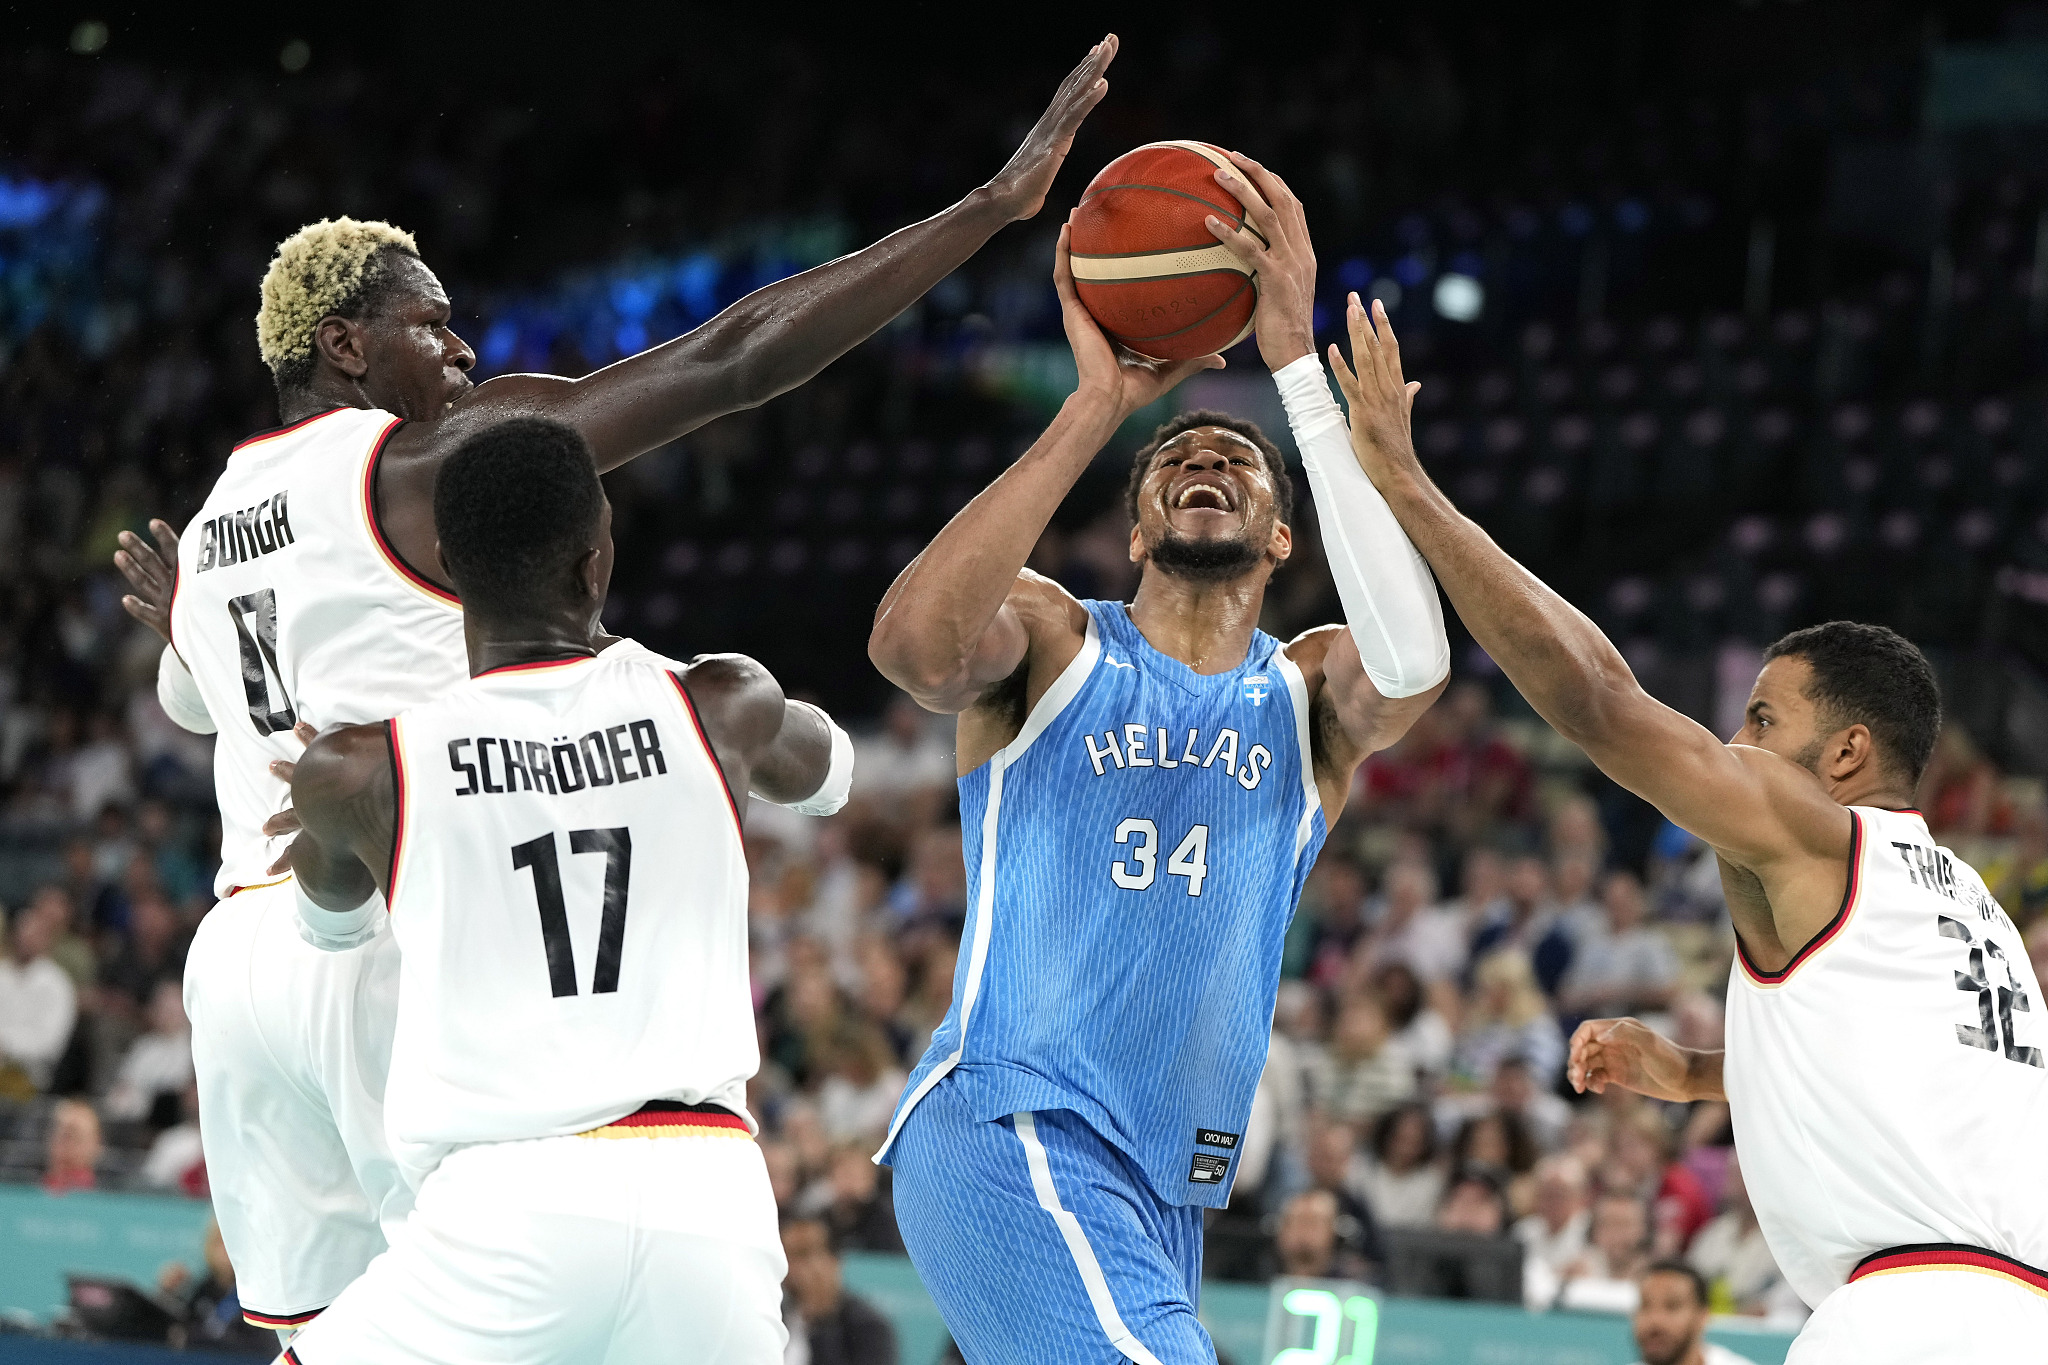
(1139, 867)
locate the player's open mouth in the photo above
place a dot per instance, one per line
(1204, 496)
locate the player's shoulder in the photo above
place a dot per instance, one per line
(1044, 605)
(735, 697)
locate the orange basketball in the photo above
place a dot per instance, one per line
(1145, 264)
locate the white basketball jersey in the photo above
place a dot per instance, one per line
(569, 892)
(1887, 1087)
(290, 606)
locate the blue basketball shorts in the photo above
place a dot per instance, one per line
(1042, 1244)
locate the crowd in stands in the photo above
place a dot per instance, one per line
(1695, 466)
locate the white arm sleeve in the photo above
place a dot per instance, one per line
(179, 695)
(336, 931)
(1390, 600)
(827, 799)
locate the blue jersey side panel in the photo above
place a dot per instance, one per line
(1134, 858)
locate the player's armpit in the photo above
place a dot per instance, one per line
(1035, 614)
(1355, 720)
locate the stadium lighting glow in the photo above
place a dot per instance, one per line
(1459, 297)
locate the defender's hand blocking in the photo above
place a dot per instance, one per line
(1106, 371)
(152, 570)
(1021, 185)
(1380, 399)
(1628, 1053)
(1284, 263)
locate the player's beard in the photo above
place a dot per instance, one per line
(1670, 1357)
(1204, 561)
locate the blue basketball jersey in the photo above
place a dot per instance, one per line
(1133, 858)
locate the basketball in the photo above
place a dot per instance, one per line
(1145, 265)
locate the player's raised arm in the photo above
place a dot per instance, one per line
(343, 791)
(1745, 801)
(787, 752)
(962, 615)
(780, 336)
(1394, 659)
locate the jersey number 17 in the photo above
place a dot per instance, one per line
(538, 857)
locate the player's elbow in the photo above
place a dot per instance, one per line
(909, 664)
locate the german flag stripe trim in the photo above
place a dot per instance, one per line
(709, 753)
(651, 1122)
(291, 1357)
(1828, 933)
(1950, 1256)
(287, 429)
(256, 1319)
(384, 547)
(397, 809)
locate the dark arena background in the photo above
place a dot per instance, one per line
(1729, 317)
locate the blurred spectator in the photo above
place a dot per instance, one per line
(212, 1310)
(69, 948)
(1643, 1163)
(1670, 1321)
(1305, 1243)
(1420, 1029)
(1334, 906)
(38, 1004)
(1542, 1112)
(1603, 1277)
(904, 757)
(1508, 1017)
(852, 1198)
(1474, 1203)
(1412, 930)
(1335, 1165)
(159, 1063)
(1625, 965)
(151, 952)
(72, 1155)
(1499, 1142)
(1364, 1072)
(862, 1085)
(827, 1325)
(176, 1160)
(1526, 921)
(1553, 1236)
(1403, 1183)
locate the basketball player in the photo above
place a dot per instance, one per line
(558, 840)
(307, 590)
(1885, 1040)
(1143, 788)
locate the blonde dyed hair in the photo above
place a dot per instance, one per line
(316, 272)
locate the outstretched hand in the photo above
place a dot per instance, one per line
(1020, 187)
(286, 821)
(1105, 369)
(152, 570)
(1275, 247)
(1380, 398)
(1630, 1054)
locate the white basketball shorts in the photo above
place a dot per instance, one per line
(291, 1046)
(604, 1250)
(1930, 1306)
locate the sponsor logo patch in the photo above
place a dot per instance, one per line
(1215, 1137)
(1208, 1170)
